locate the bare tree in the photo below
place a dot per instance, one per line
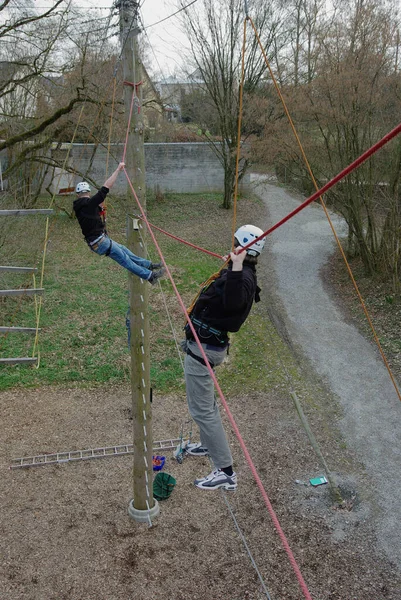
(306, 22)
(215, 31)
(353, 110)
(50, 65)
(350, 102)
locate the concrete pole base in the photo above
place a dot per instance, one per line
(143, 516)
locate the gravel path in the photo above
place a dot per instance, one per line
(348, 364)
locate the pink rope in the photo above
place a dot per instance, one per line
(230, 416)
(184, 241)
(128, 127)
(330, 184)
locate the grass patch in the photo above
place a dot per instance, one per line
(84, 338)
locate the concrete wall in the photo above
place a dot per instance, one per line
(190, 167)
(181, 168)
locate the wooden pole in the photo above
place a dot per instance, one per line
(143, 506)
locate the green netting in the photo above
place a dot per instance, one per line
(163, 485)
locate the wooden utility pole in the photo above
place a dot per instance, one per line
(142, 507)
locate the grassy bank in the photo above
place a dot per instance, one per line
(83, 338)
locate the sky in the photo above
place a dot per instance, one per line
(166, 39)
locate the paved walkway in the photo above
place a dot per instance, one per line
(347, 363)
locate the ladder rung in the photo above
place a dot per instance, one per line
(22, 292)
(18, 329)
(18, 212)
(71, 456)
(18, 269)
(15, 361)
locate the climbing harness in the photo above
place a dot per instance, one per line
(95, 244)
(199, 359)
(202, 327)
(103, 214)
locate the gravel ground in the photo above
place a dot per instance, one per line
(65, 533)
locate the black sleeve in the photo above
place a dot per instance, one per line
(239, 290)
(99, 197)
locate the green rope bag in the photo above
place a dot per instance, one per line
(163, 485)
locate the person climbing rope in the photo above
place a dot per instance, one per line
(90, 214)
(222, 307)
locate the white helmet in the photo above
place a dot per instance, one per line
(82, 187)
(245, 234)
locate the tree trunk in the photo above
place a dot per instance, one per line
(229, 178)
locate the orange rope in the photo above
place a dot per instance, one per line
(100, 109)
(205, 285)
(214, 276)
(38, 303)
(105, 203)
(241, 93)
(111, 126)
(365, 310)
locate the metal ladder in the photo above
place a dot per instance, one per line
(91, 453)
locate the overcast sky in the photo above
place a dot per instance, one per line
(166, 39)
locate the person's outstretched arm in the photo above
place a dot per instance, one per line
(113, 177)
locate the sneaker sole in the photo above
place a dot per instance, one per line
(223, 486)
(197, 453)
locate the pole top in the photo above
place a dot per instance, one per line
(126, 4)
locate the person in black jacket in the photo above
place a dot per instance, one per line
(221, 307)
(90, 214)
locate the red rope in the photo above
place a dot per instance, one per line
(184, 241)
(330, 184)
(230, 416)
(134, 85)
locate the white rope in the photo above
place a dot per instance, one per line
(243, 539)
(179, 351)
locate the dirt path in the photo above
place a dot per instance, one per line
(349, 364)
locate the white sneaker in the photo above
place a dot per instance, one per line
(196, 449)
(217, 479)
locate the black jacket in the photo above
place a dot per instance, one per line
(226, 303)
(89, 214)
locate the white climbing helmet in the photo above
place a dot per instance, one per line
(82, 187)
(245, 234)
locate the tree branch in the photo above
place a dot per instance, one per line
(22, 137)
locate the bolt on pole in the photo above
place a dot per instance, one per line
(143, 506)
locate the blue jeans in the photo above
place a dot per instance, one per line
(124, 257)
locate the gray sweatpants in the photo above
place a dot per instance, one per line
(203, 406)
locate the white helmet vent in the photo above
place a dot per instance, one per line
(82, 187)
(246, 234)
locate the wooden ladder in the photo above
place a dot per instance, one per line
(23, 291)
